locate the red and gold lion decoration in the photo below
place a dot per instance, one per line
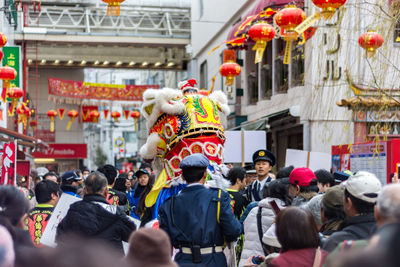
(180, 123)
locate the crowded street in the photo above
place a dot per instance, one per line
(200, 133)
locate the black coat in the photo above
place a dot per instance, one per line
(352, 228)
(93, 217)
(193, 214)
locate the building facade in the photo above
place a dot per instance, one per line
(296, 104)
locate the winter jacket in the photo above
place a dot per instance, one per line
(352, 228)
(297, 257)
(93, 217)
(303, 198)
(252, 245)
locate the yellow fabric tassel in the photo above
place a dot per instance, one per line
(288, 52)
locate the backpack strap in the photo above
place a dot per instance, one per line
(259, 228)
(219, 205)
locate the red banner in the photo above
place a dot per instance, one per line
(97, 91)
(8, 164)
(63, 151)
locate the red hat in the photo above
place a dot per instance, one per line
(301, 176)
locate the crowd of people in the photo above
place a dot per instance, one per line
(295, 217)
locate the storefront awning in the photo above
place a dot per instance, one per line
(258, 124)
(22, 139)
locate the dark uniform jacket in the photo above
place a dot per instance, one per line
(254, 192)
(93, 217)
(353, 228)
(193, 220)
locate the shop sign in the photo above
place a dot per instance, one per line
(63, 151)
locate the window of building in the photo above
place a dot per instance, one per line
(266, 73)
(281, 70)
(129, 81)
(201, 8)
(129, 137)
(203, 75)
(298, 66)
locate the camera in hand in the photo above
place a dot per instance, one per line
(257, 260)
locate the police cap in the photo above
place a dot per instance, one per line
(264, 154)
(197, 160)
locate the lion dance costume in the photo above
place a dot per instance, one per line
(180, 123)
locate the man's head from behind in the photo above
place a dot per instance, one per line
(96, 184)
(110, 172)
(302, 180)
(194, 168)
(360, 194)
(47, 192)
(325, 180)
(387, 209)
(52, 176)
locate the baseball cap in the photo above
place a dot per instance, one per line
(333, 197)
(140, 172)
(41, 171)
(302, 177)
(70, 175)
(195, 160)
(363, 185)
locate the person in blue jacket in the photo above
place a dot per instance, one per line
(70, 183)
(198, 220)
(143, 177)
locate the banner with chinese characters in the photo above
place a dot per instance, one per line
(8, 168)
(12, 59)
(75, 92)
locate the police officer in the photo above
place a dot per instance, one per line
(198, 220)
(263, 161)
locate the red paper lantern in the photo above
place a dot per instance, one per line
(230, 70)
(329, 6)
(261, 33)
(24, 113)
(52, 114)
(288, 19)
(33, 124)
(94, 115)
(72, 114)
(1, 55)
(15, 94)
(115, 115)
(135, 115)
(7, 74)
(114, 7)
(371, 41)
(3, 39)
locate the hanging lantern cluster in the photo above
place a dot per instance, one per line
(72, 114)
(52, 114)
(14, 94)
(288, 19)
(329, 8)
(114, 7)
(370, 41)
(24, 113)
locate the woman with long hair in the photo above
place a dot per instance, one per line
(261, 217)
